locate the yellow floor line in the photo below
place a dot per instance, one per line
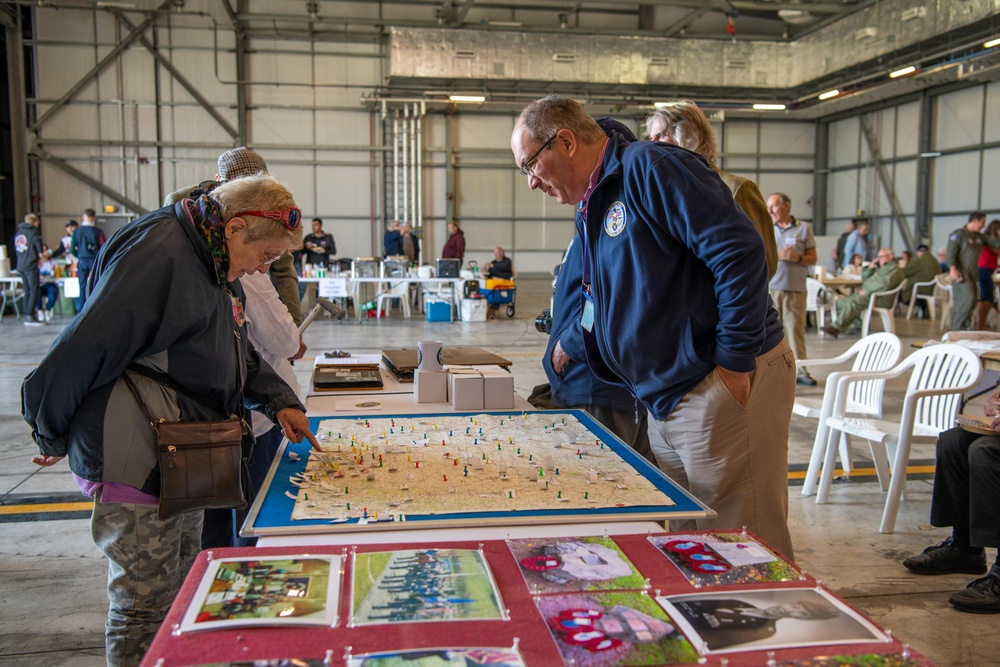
(48, 507)
(864, 472)
(87, 505)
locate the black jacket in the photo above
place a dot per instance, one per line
(155, 302)
(27, 246)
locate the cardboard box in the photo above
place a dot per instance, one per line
(473, 310)
(431, 386)
(498, 388)
(466, 389)
(438, 311)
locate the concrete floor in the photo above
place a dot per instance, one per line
(52, 597)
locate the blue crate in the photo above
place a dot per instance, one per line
(438, 311)
(497, 297)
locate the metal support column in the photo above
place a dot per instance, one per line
(821, 176)
(18, 122)
(887, 182)
(241, 68)
(925, 166)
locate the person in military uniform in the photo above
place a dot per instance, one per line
(922, 268)
(882, 274)
(962, 257)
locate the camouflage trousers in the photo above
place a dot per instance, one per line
(148, 560)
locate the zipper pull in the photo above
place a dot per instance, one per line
(171, 453)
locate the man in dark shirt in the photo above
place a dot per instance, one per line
(411, 244)
(319, 246)
(393, 240)
(87, 241)
(500, 267)
(28, 247)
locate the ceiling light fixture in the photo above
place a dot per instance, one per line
(990, 44)
(828, 94)
(769, 107)
(902, 72)
(469, 99)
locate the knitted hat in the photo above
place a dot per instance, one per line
(240, 162)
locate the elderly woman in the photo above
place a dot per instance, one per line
(166, 299)
(683, 124)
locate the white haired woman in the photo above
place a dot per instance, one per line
(683, 124)
(166, 300)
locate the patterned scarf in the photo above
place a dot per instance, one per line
(204, 213)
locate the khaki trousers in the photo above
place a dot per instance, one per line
(734, 459)
(791, 307)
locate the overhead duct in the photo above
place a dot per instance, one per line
(439, 55)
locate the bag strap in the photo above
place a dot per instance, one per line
(138, 398)
(167, 381)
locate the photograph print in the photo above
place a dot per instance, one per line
(622, 628)
(440, 657)
(574, 564)
(723, 558)
(289, 590)
(764, 619)
(423, 585)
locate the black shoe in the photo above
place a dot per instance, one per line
(806, 380)
(830, 331)
(946, 558)
(982, 596)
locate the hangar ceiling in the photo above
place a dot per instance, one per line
(722, 53)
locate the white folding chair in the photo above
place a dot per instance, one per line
(11, 292)
(929, 299)
(886, 313)
(394, 289)
(939, 374)
(815, 297)
(944, 287)
(876, 352)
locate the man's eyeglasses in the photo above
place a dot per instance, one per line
(291, 217)
(528, 166)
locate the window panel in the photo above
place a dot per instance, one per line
(842, 194)
(991, 180)
(844, 136)
(907, 129)
(959, 118)
(484, 193)
(956, 182)
(992, 132)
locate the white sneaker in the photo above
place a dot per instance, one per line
(48, 315)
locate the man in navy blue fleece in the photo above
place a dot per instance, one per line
(675, 308)
(572, 383)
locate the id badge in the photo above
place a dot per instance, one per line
(587, 319)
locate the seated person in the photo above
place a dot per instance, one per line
(48, 290)
(922, 269)
(855, 266)
(882, 274)
(500, 267)
(966, 493)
